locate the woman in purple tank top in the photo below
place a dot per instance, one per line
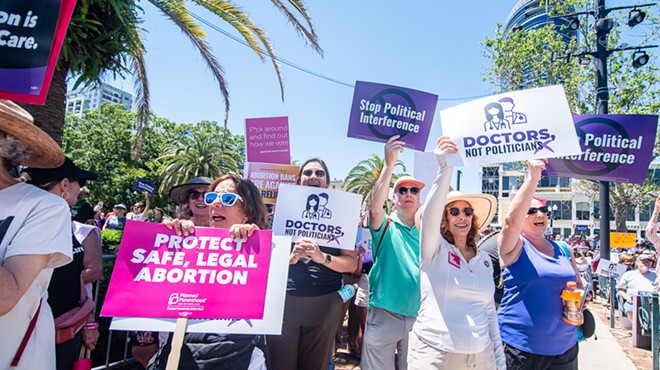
(535, 271)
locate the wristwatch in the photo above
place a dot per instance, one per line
(328, 259)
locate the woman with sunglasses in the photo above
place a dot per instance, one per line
(535, 271)
(189, 199)
(312, 307)
(456, 327)
(237, 205)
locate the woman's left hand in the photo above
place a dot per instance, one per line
(311, 250)
(90, 337)
(240, 232)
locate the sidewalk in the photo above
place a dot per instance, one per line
(604, 352)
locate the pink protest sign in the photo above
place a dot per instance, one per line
(204, 275)
(267, 140)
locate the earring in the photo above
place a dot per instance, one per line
(65, 194)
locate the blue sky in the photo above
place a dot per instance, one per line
(432, 46)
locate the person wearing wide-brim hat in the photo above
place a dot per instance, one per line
(35, 238)
(189, 198)
(456, 327)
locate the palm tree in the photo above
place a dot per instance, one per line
(362, 178)
(104, 36)
(192, 156)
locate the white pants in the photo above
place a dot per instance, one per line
(421, 356)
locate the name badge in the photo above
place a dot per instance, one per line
(454, 260)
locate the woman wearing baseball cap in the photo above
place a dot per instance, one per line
(65, 289)
(35, 238)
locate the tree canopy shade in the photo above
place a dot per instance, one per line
(537, 57)
(104, 36)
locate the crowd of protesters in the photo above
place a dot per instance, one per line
(426, 301)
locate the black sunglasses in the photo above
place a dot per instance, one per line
(468, 211)
(194, 195)
(318, 173)
(534, 210)
(403, 190)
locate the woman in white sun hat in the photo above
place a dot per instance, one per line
(35, 238)
(456, 327)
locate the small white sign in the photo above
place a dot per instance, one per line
(607, 268)
(425, 169)
(330, 217)
(273, 312)
(518, 125)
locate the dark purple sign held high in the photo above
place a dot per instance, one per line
(615, 148)
(381, 111)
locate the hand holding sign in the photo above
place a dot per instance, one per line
(392, 149)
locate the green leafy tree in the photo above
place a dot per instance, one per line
(192, 156)
(362, 178)
(104, 36)
(538, 57)
(101, 141)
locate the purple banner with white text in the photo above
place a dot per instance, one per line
(615, 147)
(381, 111)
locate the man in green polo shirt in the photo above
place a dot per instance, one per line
(394, 294)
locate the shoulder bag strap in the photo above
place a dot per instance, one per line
(382, 236)
(26, 337)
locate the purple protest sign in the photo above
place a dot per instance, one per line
(144, 185)
(381, 111)
(615, 148)
(267, 140)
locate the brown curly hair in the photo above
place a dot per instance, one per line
(473, 234)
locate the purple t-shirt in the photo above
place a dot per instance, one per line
(530, 315)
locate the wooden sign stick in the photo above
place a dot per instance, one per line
(177, 342)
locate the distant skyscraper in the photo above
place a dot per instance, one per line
(91, 97)
(531, 14)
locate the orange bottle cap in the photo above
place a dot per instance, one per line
(571, 284)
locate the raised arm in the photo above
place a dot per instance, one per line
(651, 228)
(145, 214)
(382, 186)
(509, 242)
(435, 201)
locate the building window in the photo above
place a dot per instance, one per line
(551, 182)
(646, 211)
(582, 211)
(563, 212)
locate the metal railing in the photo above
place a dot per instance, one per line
(648, 315)
(126, 359)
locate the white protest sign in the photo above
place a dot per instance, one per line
(330, 217)
(607, 268)
(271, 323)
(425, 169)
(518, 125)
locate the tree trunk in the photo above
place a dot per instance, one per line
(620, 222)
(50, 116)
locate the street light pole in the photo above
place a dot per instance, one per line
(603, 28)
(459, 173)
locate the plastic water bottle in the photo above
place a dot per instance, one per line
(572, 300)
(347, 292)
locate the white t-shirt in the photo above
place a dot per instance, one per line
(32, 222)
(634, 282)
(135, 216)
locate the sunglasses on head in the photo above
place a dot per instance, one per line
(227, 199)
(403, 190)
(534, 210)
(194, 195)
(468, 211)
(318, 173)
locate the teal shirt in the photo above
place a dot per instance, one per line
(394, 277)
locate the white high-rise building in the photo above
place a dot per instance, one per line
(91, 97)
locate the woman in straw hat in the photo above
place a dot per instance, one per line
(456, 327)
(35, 238)
(535, 271)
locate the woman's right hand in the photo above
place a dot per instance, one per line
(445, 145)
(185, 227)
(535, 167)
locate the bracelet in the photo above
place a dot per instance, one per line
(91, 325)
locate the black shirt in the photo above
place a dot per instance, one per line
(64, 288)
(311, 279)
